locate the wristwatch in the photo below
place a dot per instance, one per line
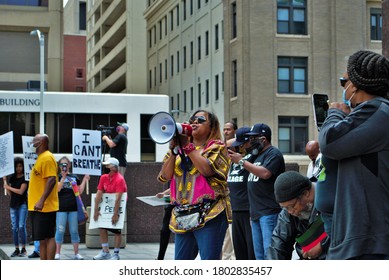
(241, 162)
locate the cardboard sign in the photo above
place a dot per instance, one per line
(7, 154)
(86, 152)
(107, 206)
(29, 157)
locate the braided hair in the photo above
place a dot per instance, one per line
(369, 71)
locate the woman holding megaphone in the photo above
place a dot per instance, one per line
(197, 165)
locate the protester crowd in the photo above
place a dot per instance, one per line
(230, 193)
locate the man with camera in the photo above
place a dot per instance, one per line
(118, 146)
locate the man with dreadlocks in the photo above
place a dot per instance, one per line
(356, 134)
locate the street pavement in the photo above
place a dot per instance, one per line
(132, 251)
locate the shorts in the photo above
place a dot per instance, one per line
(43, 225)
(113, 230)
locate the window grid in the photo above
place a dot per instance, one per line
(292, 75)
(292, 134)
(291, 17)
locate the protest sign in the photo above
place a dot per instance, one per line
(28, 155)
(106, 206)
(86, 152)
(7, 154)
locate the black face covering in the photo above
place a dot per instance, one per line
(256, 147)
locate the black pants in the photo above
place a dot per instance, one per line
(242, 238)
(165, 232)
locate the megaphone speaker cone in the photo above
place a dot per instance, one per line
(162, 127)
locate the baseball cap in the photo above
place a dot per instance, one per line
(124, 125)
(260, 129)
(111, 161)
(240, 137)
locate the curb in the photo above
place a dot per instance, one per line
(4, 256)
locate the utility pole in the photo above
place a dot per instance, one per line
(385, 28)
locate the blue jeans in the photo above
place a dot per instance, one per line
(71, 218)
(207, 240)
(37, 246)
(18, 223)
(262, 231)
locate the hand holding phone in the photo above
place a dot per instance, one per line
(320, 108)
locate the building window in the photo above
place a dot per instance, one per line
(199, 4)
(206, 92)
(171, 20)
(79, 73)
(206, 42)
(191, 53)
(150, 79)
(292, 134)
(199, 94)
(376, 24)
(233, 20)
(165, 25)
(178, 101)
(184, 57)
(155, 34)
(165, 69)
(191, 7)
(292, 75)
(216, 87)
(160, 30)
(199, 48)
(223, 81)
(191, 99)
(184, 9)
(82, 16)
(171, 103)
(150, 39)
(216, 37)
(79, 89)
(178, 61)
(178, 15)
(147, 145)
(291, 17)
(234, 78)
(184, 108)
(171, 66)
(155, 75)
(160, 73)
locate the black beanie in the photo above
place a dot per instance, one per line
(290, 185)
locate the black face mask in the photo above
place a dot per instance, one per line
(256, 146)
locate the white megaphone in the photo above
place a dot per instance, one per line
(163, 127)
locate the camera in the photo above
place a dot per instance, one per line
(64, 167)
(105, 130)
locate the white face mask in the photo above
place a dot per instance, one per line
(33, 148)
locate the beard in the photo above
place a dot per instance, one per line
(306, 213)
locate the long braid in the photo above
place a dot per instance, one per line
(369, 71)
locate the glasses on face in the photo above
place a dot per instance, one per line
(343, 81)
(290, 207)
(199, 119)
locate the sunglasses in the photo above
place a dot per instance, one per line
(343, 81)
(199, 119)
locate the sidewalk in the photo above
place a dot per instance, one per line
(132, 251)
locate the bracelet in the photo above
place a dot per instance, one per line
(189, 148)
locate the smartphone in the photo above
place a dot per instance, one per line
(320, 108)
(64, 167)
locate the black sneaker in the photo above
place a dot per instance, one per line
(23, 253)
(15, 253)
(34, 255)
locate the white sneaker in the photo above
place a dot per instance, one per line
(102, 256)
(57, 257)
(78, 257)
(115, 257)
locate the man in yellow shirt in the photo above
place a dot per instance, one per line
(43, 196)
